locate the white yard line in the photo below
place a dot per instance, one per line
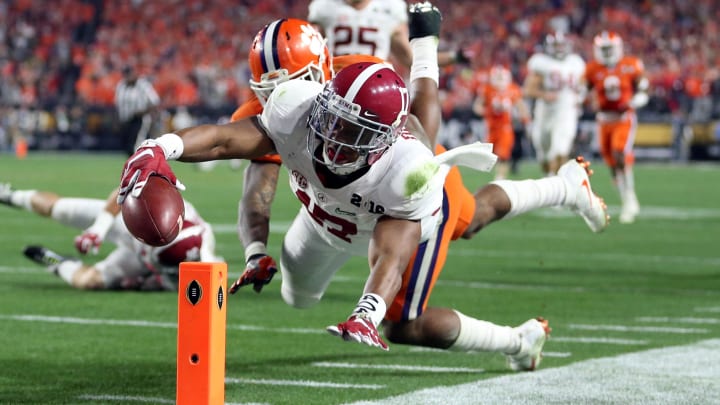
(644, 329)
(400, 367)
(302, 383)
(682, 319)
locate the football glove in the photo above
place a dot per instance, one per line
(148, 160)
(91, 238)
(88, 242)
(423, 20)
(258, 272)
(359, 328)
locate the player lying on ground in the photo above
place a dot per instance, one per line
(370, 187)
(132, 264)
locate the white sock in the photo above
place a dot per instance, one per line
(21, 198)
(629, 177)
(425, 61)
(527, 195)
(477, 335)
(67, 269)
(621, 186)
(77, 212)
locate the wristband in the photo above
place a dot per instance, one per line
(253, 249)
(171, 144)
(371, 306)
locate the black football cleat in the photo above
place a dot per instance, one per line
(43, 256)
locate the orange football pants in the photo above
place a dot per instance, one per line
(426, 264)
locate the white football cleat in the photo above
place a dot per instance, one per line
(5, 192)
(533, 334)
(580, 197)
(630, 210)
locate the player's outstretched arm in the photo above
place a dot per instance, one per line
(244, 139)
(393, 244)
(254, 224)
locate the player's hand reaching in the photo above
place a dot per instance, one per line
(88, 242)
(149, 159)
(358, 328)
(258, 272)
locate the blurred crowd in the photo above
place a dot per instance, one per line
(60, 61)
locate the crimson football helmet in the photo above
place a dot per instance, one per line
(185, 248)
(557, 45)
(287, 49)
(500, 77)
(357, 117)
(608, 48)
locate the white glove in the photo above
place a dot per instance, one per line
(639, 100)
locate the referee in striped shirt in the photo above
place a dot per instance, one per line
(136, 100)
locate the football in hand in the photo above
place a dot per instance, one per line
(156, 216)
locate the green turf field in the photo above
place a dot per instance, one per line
(652, 284)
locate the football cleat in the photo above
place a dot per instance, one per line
(533, 334)
(630, 210)
(423, 20)
(580, 197)
(6, 191)
(44, 256)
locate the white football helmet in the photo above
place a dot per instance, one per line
(608, 48)
(557, 45)
(500, 77)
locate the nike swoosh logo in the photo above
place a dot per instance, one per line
(587, 188)
(141, 154)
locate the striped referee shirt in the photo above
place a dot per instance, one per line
(131, 99)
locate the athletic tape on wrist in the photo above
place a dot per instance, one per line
(172, 145)
(255, 248)
(372, 306)
(102, 224)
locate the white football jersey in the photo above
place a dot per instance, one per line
(351, 31)
(346, 216)
(563, 76)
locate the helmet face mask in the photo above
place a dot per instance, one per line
(608, 48)
(500, 77)
(287, 49)
(557, 45)
(356, 117)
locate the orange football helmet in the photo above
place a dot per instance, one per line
(287, 49)
(500, 77)
(608, 48)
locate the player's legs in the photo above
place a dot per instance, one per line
(307, 263)
(621, 144)
(563, 136)
(540, 139)
(75, 212)
(503, 140)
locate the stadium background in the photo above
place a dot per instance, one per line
(59, 64)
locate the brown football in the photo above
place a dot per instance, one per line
(156, 216)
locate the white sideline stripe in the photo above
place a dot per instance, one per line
(673, 375)
(398, 367)
(623, 328)
(153, 400)
(126, 398)
(608, 341)
(301, 383)
(120, 322)
(559, 355)
(664, 319)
